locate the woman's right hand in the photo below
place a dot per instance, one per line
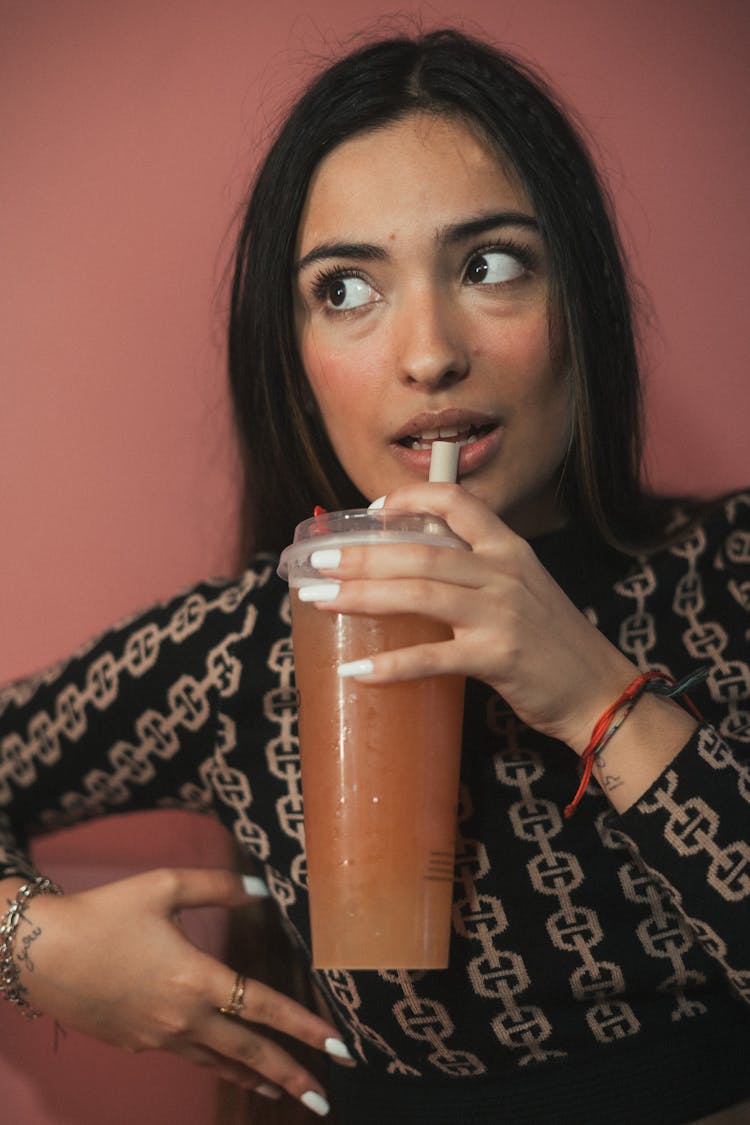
(114, 963)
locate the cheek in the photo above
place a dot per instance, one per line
(337, 387)
(540, 387)
(521, 356)
(322, 369)
(342, 378)
(520, 334)
(535, 349)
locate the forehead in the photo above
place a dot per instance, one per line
(422, 166)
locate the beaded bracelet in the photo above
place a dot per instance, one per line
(10, 983)
(610, 721)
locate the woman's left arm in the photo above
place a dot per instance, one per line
(515, 629)
(680, 790)
(689, 833)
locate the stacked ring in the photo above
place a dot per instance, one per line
(237, 999)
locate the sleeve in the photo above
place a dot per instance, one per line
(690, 830)
(129, 723)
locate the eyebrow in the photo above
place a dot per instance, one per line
(448, 236)
(362, 251)
(459, 232)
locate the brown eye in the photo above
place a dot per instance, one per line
(493, 267)
(477, 270)
(337, 293)
(344, 292)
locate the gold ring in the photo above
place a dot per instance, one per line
(234, 1007)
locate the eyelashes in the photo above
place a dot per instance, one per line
(347, 289)
(526, 256)
(326, 279)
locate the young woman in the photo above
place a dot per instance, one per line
(427, 252)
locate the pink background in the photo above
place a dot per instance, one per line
(129, 132)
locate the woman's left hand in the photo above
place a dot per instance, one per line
(513, 627)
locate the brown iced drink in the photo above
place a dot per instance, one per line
(380, 768)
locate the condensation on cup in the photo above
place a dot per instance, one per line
(380, 765)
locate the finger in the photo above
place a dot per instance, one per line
(227, 1069)
(412, 663)
(440, 601)
(236, 1040)
(261, 1004)
(183, 887)
(464, 513)
(402, 560)
(258, 1003)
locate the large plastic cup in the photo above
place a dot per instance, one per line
(380, 765)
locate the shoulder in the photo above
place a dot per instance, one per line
(697, 581)
(201, 618)
(257, 583)
(703, 593)
(729, 527)
(728, 512)
(223, 609)
(714, 534)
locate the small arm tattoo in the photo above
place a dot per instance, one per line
(608, 781)
(23, 955)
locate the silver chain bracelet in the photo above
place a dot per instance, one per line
(10, 982)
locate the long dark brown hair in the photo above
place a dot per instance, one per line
(289, 464)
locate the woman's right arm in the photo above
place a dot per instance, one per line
(114, 963)
(125, 725)
(130, 721)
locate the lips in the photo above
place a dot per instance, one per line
(425, 439)
(476, 432)
(463, 426)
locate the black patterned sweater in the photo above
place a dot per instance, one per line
(600, 966)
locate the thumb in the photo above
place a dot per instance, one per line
(204, 886)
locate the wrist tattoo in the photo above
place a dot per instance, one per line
(22, 954)
(608, 781)
(12, 958)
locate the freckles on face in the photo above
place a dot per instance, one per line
(421, 303)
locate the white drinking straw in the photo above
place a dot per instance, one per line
(444, 462)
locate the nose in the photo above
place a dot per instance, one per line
(431, 350)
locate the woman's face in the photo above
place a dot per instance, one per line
(421, 296)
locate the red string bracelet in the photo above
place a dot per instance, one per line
(607, 723)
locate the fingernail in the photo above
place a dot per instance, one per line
(267, 1091)
(338, 1050)
(252, 885)
(356, 668)
(315, 1102)
(378, 503)
(319, 592)
(326, 559)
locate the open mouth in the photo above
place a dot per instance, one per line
(466, 436)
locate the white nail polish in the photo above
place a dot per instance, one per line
(378, 503)
(315, 1102)
(325, 559)
(337, 1050)
(267, 1091)
(356, 668)
(319, 592)
(252, 885)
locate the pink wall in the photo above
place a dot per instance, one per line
(128, 134)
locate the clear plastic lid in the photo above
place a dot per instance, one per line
(357, 526)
